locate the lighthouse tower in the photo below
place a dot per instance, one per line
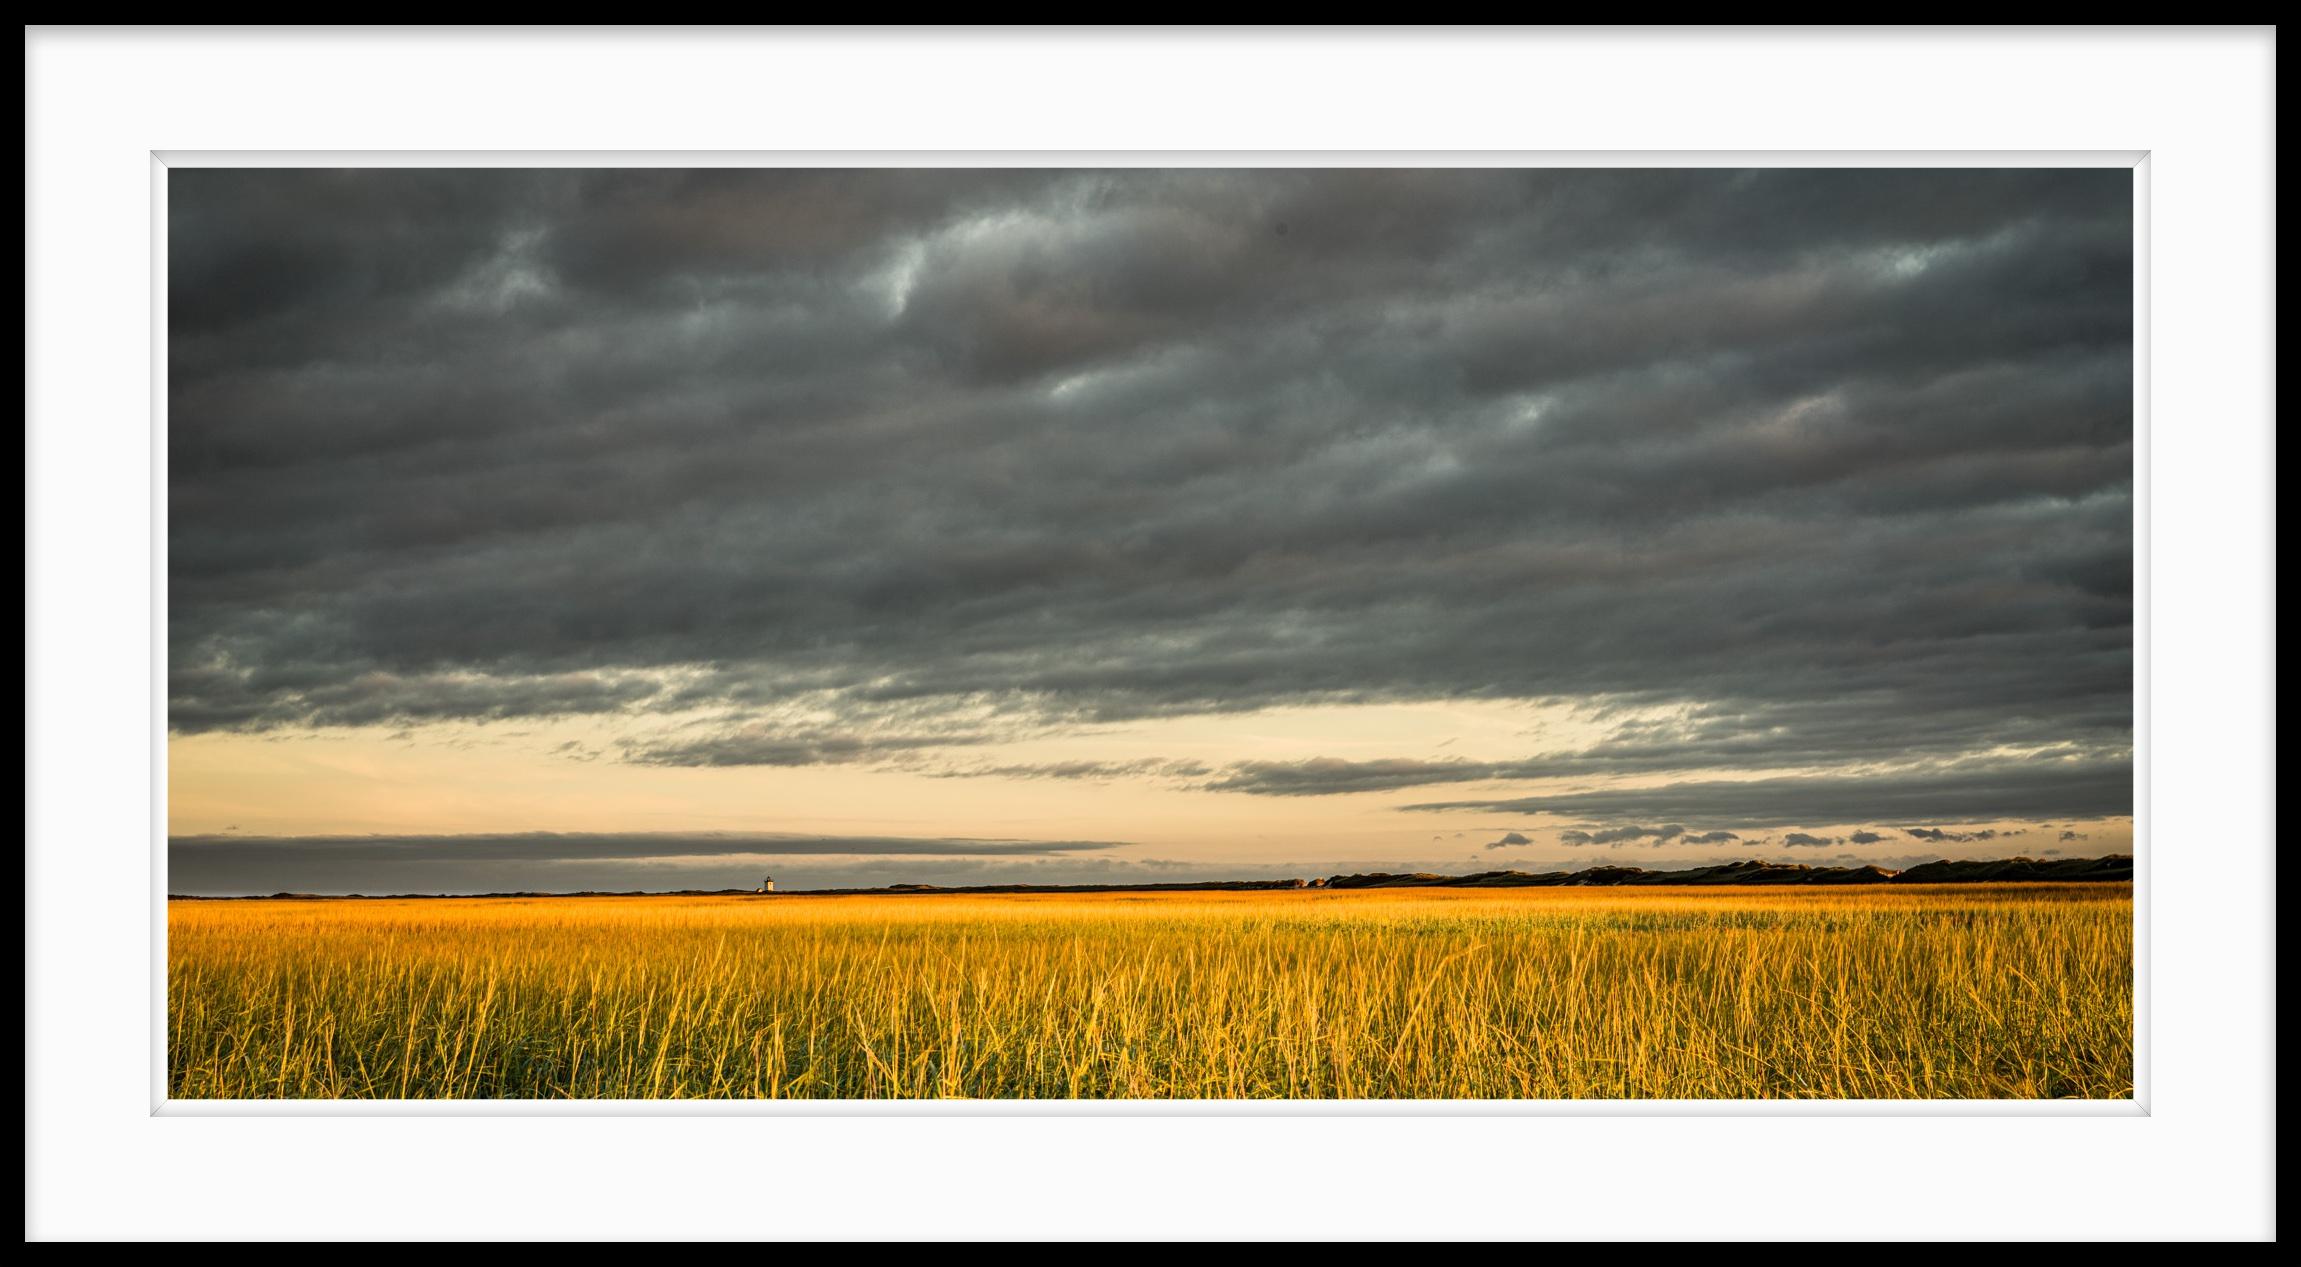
(766, 886)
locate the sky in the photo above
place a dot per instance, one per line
(646, 529)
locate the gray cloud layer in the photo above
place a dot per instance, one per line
(1979, 793)
(1840, 459)
(224, 864)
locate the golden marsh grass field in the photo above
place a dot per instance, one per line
(1957, 991)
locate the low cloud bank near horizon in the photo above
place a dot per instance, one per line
(195, 873)
(541, 862)
(518, 861)
(1978, 792)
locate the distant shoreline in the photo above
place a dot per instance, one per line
(2115, 868)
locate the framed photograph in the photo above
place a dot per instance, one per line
(1248, 633)
(728, 643)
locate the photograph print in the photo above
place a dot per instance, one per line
(1328, 633)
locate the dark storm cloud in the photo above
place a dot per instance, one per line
(1508, 840)
(755, 748)
(1865, 838)
(1977, 792)
(1621, 835)
(1704, 737)
(1149, 767)
(1937, 835)
(1327, 776)
(1836, 463)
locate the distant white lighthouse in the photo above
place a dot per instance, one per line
(766, 886)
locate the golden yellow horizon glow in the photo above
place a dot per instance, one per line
(517, 777)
